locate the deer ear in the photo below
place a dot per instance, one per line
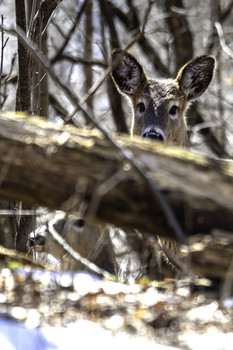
(195, 76)
(127, 73)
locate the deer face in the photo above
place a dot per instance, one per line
(159, 106)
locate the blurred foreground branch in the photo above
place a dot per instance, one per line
(63, 167)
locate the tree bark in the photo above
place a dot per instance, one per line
(61, 167)
(182, 36)
(17, 223)
(115, 99)
(23, 95)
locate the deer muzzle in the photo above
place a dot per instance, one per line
(154, 135)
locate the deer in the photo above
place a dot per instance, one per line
(159, 105)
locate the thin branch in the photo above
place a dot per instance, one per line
(3, 95)
(84, 61)
(222, 41)
(43, 15)
(51, 15)
(3, 45)
(25, 258)
(138, 38)
(146, 16)
(57, 106)
(26, 212)
(141, 39)
(88, 81)
(69, 34)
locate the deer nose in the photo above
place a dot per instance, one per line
(153, 135)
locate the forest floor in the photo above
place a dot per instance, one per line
(50, 309)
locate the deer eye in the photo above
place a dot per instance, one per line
(173, 110)
(141, 107)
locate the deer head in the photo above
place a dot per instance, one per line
(159, 106)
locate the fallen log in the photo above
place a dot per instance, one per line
(62, 167)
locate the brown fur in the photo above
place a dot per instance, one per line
(159, 106)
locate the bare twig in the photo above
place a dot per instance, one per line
(13, 254)
(146, 16)
(3, 45)
(70, 33)
(222, 41)
(143, 42)
(26, 212)
(84, 61)
(107, 72)
(43, 15)
(88, 81)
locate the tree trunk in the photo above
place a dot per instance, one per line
(182, 36)
(115, 99)
(23, 95)
(23, 103)
(61, 167)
